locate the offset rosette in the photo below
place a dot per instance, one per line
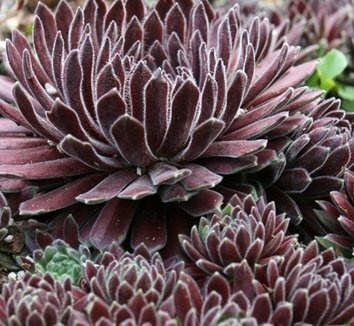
(247, 230)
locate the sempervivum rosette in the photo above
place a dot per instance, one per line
(319, 286)
(338, 217)
(130, 289)
(309, 162)
(303, 287)
(247, 230)
(40, 300)
(133, 101)
(325, 23)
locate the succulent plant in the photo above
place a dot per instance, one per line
(309, 163)
(40, 300)
(130, 289)
(100, 70)
(302, 287)
(61, 261)
(311, 280)
(246, 229)
(325, 24)
(338, 217)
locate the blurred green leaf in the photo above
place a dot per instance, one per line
(348, 105)
(327, 84)
(313, 81)
(346, 92)
(332, 64)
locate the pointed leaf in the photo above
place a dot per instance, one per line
(183, 111)
(59, 198)
(108, 188)
(138, 189)
(235, 148)
(201, 138)
(206, 201)
(129, 135)
(64, 167)
(113, 222)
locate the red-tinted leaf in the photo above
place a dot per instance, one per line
(149, 228)
(183, 111)
(138, 80)
(61, 197)
(113, 222)
(294, 180)
(206, 201)
(201, 138)
(175, 22)
(29, 155)
(98, 309)
(262, 308)
(85, 152)
(166, 174)
(108, 188)
(129, 135)
(235, 148)
(200, 178)
(139, 188)
(64, 167)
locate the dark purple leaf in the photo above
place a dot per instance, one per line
(201, 139)
(61, 197)
(173, 193)
(34, 118)
(206, 201)
(98, 309)
(282, 315)
(336, 162)
(156, 110)
(183, 112)
(294, 180)
(35, 86)
(262, 308)
(175, 22)
(270, 68)
(29, 155)
(257, 128)
(153, 30)
(293, 77)
(64, 167)
(133, 34)
(166, 174)
(87, 154)
(139, 78)
(200, 178)
(109, 187)
(149, 227)
(129, 135)
(113, 222)
(40, 45)
(235, 148)
(138, 189)
(234, 101)
(323, 185)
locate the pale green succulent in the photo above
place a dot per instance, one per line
(62, 261)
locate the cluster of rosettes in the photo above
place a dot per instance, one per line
(247, 229)
(98, 143)
(303, 287)
(315, 24)
(40, 300)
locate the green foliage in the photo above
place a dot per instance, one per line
(327, 77)
(61, 261)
